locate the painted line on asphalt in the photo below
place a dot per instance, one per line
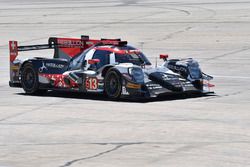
(228, 76)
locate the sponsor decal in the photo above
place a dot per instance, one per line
(43, 67)
(133, 86)
(51, 65)
(124, 91)
(13, 50)
(89, 43)
(173, 67)
(54, 65)
(15, 67)
(165, 77)
(153, 86)
(187, 84)
(91, 83)
(71, 43)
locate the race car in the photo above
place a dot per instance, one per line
(107, 66)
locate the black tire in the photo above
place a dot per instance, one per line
(113, 84)
(29, 80)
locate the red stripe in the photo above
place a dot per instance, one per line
(115, 50)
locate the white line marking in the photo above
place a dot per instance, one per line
(236, 77)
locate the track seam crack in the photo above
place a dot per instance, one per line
(227, 54)
(93, 156)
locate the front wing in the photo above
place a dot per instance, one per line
(153, 89)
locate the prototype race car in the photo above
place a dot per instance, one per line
(108, 66)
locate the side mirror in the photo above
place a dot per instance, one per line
(93, 61)
(164, 56)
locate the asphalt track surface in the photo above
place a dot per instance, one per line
(62, 130)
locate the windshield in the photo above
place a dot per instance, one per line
(136, 58)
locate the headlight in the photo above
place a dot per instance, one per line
(136, 74)
(194, 70)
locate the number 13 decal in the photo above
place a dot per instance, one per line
(91, 83)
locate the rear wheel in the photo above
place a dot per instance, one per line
(29, 80)
(113, 84)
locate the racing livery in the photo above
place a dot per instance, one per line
(108, 66)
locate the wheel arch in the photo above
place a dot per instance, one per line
(106, 69)
(26, 62)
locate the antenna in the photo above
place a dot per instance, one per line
(142, 43)
(156, 62)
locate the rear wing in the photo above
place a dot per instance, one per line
(65, 48)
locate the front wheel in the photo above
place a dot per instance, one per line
(113, 84)
(29, 80)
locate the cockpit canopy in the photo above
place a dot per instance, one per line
(106, 54)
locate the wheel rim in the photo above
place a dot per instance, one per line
(29, 78)
(112, 85)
